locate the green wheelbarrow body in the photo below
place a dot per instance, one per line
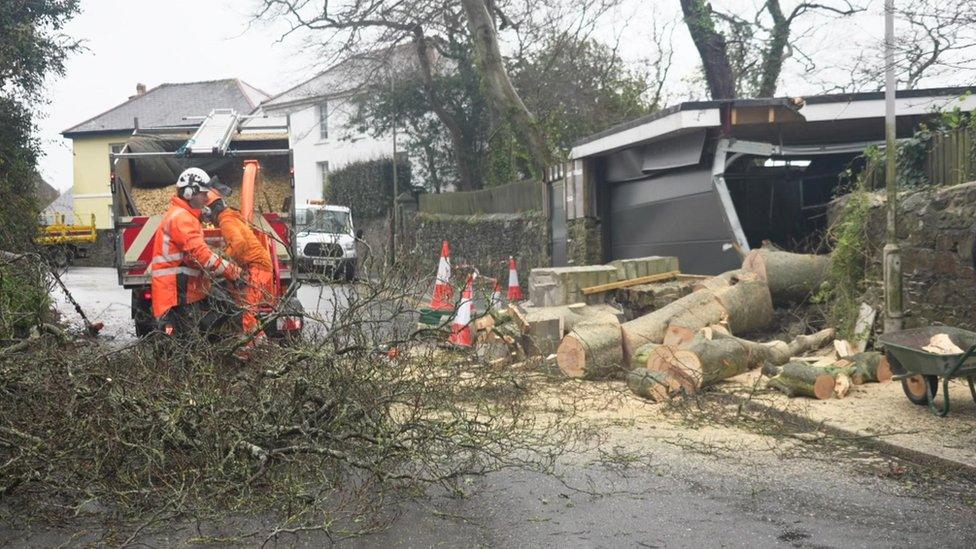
(907, 359)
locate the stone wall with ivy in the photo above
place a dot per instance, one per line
(484, 241)
(935, 229)
(584, 241)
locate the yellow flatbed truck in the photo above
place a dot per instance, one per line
(64, 242)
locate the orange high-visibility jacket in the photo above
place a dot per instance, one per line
(180, 257)
(242, 245)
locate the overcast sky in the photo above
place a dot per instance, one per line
(152, 42)
(158, 41)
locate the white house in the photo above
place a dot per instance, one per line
(320, 136)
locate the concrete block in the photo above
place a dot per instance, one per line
(563, 285)
(643, 266)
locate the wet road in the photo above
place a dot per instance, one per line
(669, 486)
(98, 292)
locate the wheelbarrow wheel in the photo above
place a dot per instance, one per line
(920, 388)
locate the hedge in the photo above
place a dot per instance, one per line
(367, 186)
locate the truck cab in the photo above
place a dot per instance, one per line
(325, 240)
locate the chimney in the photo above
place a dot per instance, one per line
(140, 90)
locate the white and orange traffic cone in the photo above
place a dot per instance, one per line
(496, 297)
(514, 291)
(461, 333)
(443, 297)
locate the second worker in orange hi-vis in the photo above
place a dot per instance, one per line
(246, 250)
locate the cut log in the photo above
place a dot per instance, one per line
(642, 355)
(718, 282)
(868, 367)
(591, 351)
(651, 327)
(703, 361)
(800, 378)
(842, 385)
(843, 348)
(791, 277)
(650, 385)
(748, 305)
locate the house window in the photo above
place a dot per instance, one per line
(324, 120)
(324, 176)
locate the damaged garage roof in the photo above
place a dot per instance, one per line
(692, 115)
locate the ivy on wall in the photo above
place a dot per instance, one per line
(367, 186)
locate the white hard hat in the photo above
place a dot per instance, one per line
(192, 180)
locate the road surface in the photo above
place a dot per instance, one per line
(722, 485)
(98, 292)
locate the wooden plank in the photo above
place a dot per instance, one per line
(631, 282)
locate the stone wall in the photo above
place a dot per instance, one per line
(484, 241)
(584, 241)
(935, 228)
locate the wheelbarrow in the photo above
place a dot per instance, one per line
(920, 370)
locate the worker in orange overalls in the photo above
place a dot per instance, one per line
(182, 264)
(244, 247)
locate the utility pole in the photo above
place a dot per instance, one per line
(396, 190)
(892, 252)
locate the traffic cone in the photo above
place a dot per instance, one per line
(443, 298)
(461, 327)
(496, 297)
(514, 291)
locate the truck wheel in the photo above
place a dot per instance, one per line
(142, 316)
(349, 271)
(145, 328)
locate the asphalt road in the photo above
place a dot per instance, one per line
(667, 487)
(98, 292)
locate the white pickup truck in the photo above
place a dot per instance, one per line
(325, 239)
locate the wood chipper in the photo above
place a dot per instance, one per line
(143, 176)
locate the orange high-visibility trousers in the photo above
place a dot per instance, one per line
(258, 292)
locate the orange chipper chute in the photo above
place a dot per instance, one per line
(248, 185)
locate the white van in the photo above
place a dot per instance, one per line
(325, 239)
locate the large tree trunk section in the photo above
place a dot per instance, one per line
(499, 86)
(650, 385)
(868, 367)
(791, 277)
(703, 361)
(591, 351)
(722, 281)
(748, 304)
(803, 379)
(652, 327)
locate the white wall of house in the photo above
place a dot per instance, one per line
(315, 150)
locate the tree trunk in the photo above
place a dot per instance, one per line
(704, 361)
(868, 367)
(499, 87)
(467, 180)
(650, 385)
(775, 54)
(748, 305)
(591, 351)
(652, 327)
(801, 378)
(791, 277)
(711, 47)
(719, 282)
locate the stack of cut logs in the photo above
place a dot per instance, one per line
(689, 343)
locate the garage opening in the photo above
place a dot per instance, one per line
(784, 199)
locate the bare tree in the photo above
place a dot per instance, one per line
(745, 55)
(936, 39)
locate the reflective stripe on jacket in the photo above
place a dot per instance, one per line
(180, 257)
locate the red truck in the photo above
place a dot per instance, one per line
(143, 178)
